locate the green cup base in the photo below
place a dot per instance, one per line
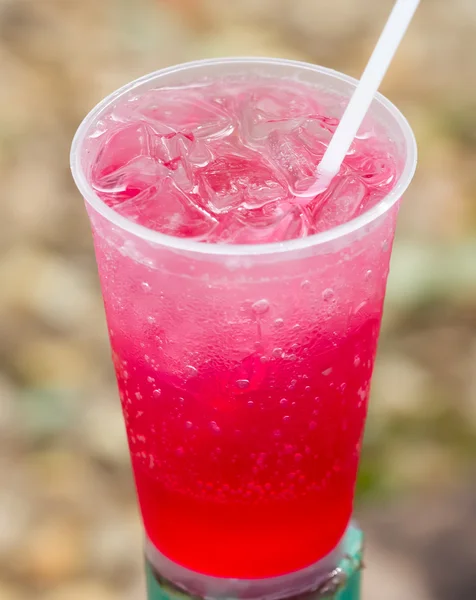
(342, 583)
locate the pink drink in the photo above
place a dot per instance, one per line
(243, 375)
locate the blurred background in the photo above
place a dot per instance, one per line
(69, 528)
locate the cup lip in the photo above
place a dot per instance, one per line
(240, 250)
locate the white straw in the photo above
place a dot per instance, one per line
(361, 100)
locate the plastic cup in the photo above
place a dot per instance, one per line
(244, 370)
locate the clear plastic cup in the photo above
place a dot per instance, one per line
(244, 370)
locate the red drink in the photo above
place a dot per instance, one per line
(243, 371)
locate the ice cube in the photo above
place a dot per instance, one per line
(283, 101)
(376, 169)
(341, 202)
(239, 179)
(170, 110)
(125, 182)
(165, 208)
(274, 222)
(120, 147)
(171, 148)
(269, 109)
(292, 158)
(315, 134)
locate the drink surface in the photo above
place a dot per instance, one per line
(244, 394)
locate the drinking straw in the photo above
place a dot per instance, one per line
(392, 34)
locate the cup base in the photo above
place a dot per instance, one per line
(337, 575)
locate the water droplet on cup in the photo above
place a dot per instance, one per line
(145, 286)
(156, 393)
(284, 401)
(286, 419)
(190, 371)
(328, 295)
(306, 284)
(279, 322)
(260, 307)
(188, 424)
(242, 383)
(214, 427)
(327, 372)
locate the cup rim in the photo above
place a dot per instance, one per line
(240, 250)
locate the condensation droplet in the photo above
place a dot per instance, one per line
(151, 320)
(357, 361)
(284, 401)
(306, 284)
(368, 275)
(327, 372)
(145, 286)
(277, 352)
(279, 322)
(260, 307)
(360, 307)
(328, 295)
(286, 419)
(150, 379)
(188, 424)
(307, 388)
(138, 395)
(190, 371)
(156, 393)
(386, 246)
(277, 433)
(214, 427)
(242, 383)
(250, 403)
